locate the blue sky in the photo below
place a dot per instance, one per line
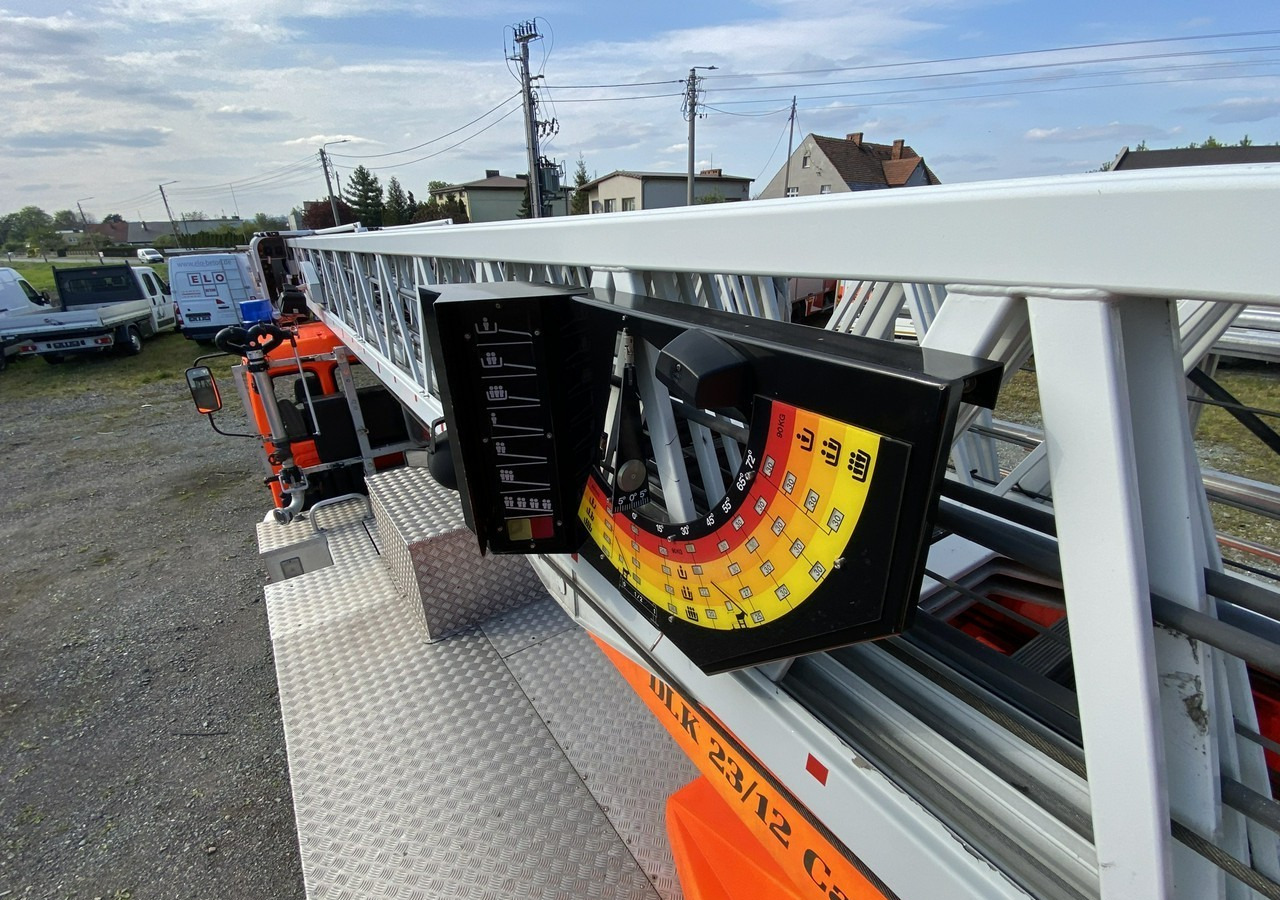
(230, 99)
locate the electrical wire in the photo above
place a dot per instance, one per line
(1080, 87)
(952, 59)
(612, 99)
(754, 115)
(567, 87)
(446, 149)
(1039, 79)
(433, 140)
(1020, 68)
(774, 151)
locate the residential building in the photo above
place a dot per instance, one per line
(494, 198)
(828, 165)
(1193, 156)
(624, 191)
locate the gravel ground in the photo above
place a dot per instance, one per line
(141, 752)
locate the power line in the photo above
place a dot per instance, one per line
(612, 99)
(952, 59)
(751, 115)
(1063, 77)
(434, 139)
(1079, 87)
(1020, 68)
(446, 149)
(583, 87)
(776, 145)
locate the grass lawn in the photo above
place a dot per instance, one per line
(1222, 443)
(163, 358)
(40, 273)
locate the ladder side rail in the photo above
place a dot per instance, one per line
(1064, 232)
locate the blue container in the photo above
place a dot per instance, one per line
(254, 311)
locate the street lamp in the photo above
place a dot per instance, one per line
(691, 109)
(324, 162)
(172, 224)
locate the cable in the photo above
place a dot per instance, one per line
(611, 99)
(772, 112)
(1081, 87)
(433, 140)
(951, 59)
(774, 151)
(1021, 68)
(567, 87)
(446, 149)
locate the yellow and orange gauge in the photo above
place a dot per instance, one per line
(776, 536)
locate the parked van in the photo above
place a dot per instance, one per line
(207, 291)
(17, 297)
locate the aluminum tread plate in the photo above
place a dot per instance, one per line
(422, 771)
(435, 560)
(625, 757)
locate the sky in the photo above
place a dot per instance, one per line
(227, 102)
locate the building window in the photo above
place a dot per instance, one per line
(609, 205)
(793, 191)
(825, 189)
(628, 204)
(595, 206)
(806, 161)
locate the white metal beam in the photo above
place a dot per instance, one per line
(1088, 428)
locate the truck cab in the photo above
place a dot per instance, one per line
(103, 308)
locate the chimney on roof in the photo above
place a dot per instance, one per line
(897, 149)
(714, 173)
(490, 173)
(855, 137)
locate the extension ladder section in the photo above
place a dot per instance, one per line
(1073, 713)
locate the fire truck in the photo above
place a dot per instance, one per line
(593, 574)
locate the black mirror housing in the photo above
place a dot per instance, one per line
(204, 390)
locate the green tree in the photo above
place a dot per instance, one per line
(435, 185)
(64, 219)
(112, 217)
(29, 222)
(398, 209)
(526, 209)
(427, 212)
(710, 197)
(319, 213)
(579, 205)
(363, 192)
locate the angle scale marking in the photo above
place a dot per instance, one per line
(734, 568)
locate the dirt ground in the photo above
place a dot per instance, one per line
(141, 751)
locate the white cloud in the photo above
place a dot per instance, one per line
(1112, 132)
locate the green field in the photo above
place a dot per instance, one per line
(40, 273)
(164, 357)
(1221, 442)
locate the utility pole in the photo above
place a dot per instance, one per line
(524, 33)
(324, 164)
(234, 201)
(786, 181)
(328, 183)
(177, 237)
(691, 113)
(92, 239)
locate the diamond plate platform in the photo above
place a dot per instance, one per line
(435, 560)
(508, 760)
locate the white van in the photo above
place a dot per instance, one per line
(17, 297)
(207, 291)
